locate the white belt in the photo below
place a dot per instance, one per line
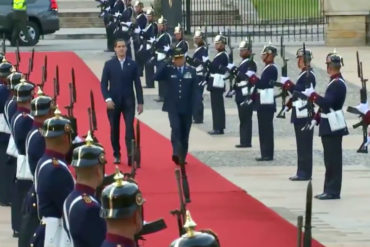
(242, 84)
(55, 235)
(23, 168)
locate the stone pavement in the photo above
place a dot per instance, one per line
(337, 223)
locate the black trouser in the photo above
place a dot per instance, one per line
(149, 73)
(161, 83)
(20, 19)
(12, 163)
(304, 150)
(30, 220)
(6, 176)
(21, 189)
(110, 39)
(138, 61)
(128, 112)
(180, 129)
(333, 164)
(245, 127)
(266, 133)
(198, 112)
(218, 109)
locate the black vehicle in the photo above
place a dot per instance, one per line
(43, 19)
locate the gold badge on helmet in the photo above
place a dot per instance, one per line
(102, 159)
(139, 199)
(67, 128)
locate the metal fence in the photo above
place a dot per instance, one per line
(296, 20)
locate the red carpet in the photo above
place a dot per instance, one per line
(237, 218)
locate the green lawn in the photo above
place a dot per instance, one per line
(287, 9)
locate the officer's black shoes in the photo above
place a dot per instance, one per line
(297, 178)
(216, 132)
(15, 234)
(117, 160)
(243, 146)
(326, 196)
(264, 159)
(159, 100)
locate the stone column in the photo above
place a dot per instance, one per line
(347, 22)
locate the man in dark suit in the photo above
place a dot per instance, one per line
(178, 101)
(120, 76)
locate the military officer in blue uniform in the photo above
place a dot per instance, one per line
(53, 181)
(192, 238)
(243, 92)
(179, 101)
(149, 34)
(331, 132)
(122, 208)
(265, 102)
(200, 52)
(140, 24)
(21, 123)
(162, 47)
(216, 85)
(180, 42)
(304, 136)
(81, 208)
(42, 108)
(120, 76)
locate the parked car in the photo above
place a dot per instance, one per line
(43, 19)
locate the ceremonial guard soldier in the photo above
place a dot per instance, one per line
(162, 48)
(243, 93)
(42, 108)
(332, 125)
(81, 208)
(149, 36)
(21, 123)
(192, 238)
(140, 24)
(265, 101)
(180, 42)
(53, 182)
(304, 136)
(118, 7)
(216, 84)
(122, 208)
(181, 83)
(108, 17)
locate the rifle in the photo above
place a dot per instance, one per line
(72, 100)
(231, 91)
(92, 116)
(17, 56)
(180, 213)
(30, 64)
(307, 226)
(184, 178)
(3, 45)
(56, 84)
(137, 145)
(44, 72)
(131, 175)
(150, 227)
(299, 230)
(363, 97)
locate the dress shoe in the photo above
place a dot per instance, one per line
(326, 196)
(243, 146)
(15, 234)
(296, 178)
(264, 159)
(117, 160)
(216, 132)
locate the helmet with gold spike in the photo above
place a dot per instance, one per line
(5, 68)
(89, 154)
(333, 58)
(162, 20)
(56, 126)
(178, 29)
(194, 238)
(41, 105)
(24, 91)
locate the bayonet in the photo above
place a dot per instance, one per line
(137, 145)
(307, 225)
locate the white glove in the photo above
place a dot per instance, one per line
(205, 59)
(152, 39)
(137, 30)
(313, 123)
(368, 141)
(77, 140)
(309, 91)
(166, 48)
(284, 79)
(230, 66)
(116, 14)
(250, 73)
(363, 107)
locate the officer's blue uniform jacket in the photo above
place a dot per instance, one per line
(53, 182)
(141, 20)
(150, 31)
(118, 83)
(10, 109)
(21, 124)
(164, 39)
(81, 214)
(244, 66)
(334, 98)
(35, 146)
(4, 95)
(184, 45)
(112, 240)
(127, 14)
(300, 86)
(118, 6)
(268, 77)
(199, 53)
(180, 88)
(217, 66)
